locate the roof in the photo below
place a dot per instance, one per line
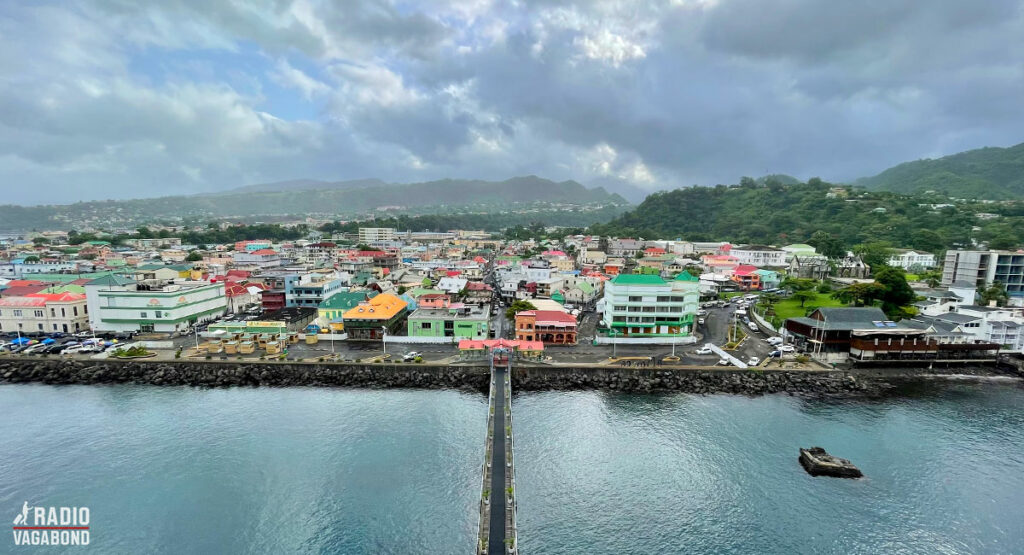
(956, 317)
(744, 270)
(58, 297)
(22, 301)
(22, 291)
(638, 279)
(382, 307)
(550, 317)
(470, 344)
(112, 279)
(686, 276)
(263, 251)
(845, 318)
(344, 300)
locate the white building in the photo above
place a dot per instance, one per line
(983, 268)
(759, 255)
(904, 258)
(116, 304)
(647, 306)
(371, 235)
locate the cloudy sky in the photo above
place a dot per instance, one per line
(119, 98)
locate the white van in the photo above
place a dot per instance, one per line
(752, 326)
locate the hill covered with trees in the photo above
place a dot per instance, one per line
(774, 213)
(985, 173)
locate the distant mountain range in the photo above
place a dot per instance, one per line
(320, 198)
(991, 173)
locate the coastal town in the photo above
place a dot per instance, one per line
(384, 294)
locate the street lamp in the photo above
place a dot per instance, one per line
(384, 338)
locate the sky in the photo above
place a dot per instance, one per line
(118, 98)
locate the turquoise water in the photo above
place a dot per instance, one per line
(606, 474)
(180, 470)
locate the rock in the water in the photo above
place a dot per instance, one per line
(817, 462)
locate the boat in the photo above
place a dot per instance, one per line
(817, 462)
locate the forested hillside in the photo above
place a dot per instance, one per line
(776, 213)
(985, 173)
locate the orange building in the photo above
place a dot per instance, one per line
(368, 319)
(550, 326)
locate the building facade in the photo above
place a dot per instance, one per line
(647, 305)
(44, 313)
(165, 308)
(983, 268)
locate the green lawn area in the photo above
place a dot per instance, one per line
(912, 277)
(790, 308)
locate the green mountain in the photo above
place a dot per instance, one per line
(306, 197)
(986, 173)
(782, 214)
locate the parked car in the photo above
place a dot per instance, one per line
(774, 354)
(752, 326)
(700, 321)
(704, 351)
(787, 349)
(723, 362)
(72, 349)
(37, 348)
(776, 340)
(411, 355)
(754, 361)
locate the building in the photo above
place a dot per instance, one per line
(983, 268)
(371, 235)
(906, 259)
(331, 310)
(369, 319)
(116, 305)
(647, 305)
(311, 290)
(746, 278)
(813, 266)
(552, 327)
(759, 255)
(295, 318)
(454, 320)
(798, 249)
(827, 331)
(262, 259)
(44, 313)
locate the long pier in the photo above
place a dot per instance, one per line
(497, 501)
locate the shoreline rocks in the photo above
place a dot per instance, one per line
(703, 381)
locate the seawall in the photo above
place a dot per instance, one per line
(699, 380)
(223, 374)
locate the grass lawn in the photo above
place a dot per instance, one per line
(912, 277)
(790, 308)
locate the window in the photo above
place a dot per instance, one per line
(143, 315)
(158, 314)
(75, 310)
(619, 308)
(635, 299)
(53, 313)
(425, 325)
(39, 313)
(40, 327)
(62, 313)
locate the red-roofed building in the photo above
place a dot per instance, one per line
(746, 277)
(22, 290)
(44, 313)
(549, 326)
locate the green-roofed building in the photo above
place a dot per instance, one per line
(330, 311)
(638, 305)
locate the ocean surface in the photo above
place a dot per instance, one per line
(304, 470)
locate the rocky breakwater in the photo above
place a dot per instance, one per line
(214, 374)
(695, 380)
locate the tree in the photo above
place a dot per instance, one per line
(799, 284)
(39, 241)
(194, 256)
(860, 294)
(875, 253)
(402, 289)
(827, 245)
(896, 293)
(932, 277)
(995, 292)
(363, 247)
(804, 296)
(32, 258)
(427, 284)
(927, 240)
(518, 306)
